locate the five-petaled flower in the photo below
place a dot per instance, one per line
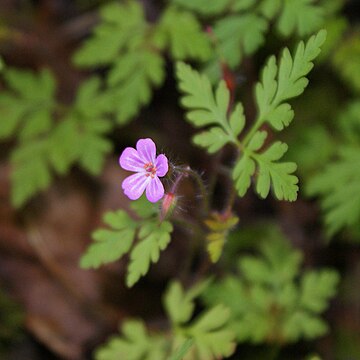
(148, 168)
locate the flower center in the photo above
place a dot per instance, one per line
(150, 169)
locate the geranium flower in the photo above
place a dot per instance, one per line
(148, 168)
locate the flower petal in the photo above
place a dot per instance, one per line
(155, 190)
(135, 185)
(162, 166)
(131, 160)
(146, 149)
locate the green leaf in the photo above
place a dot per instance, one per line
(31, 86)
(302, 324)
(290, 81)
(278, 83)
(237, 120)
(110, 245)
(199, 98)
(219, 226)
(80, 139)
(283, 260)
(255, 270)
(257, 141)
(269, 8)
(78, 136)
(347, 60)
(135, 344)
(212, 339)
(174, 31)
(317, 289)
(207, 108)
(204, 7)
(153, 238)
(179, 306)
(91, 100)
(213, 140)
(335, 28)
(270, 301)
(81, 135)
(182, 350)
(276, 173)
(63, 151)
(131, 80)
(281, 116)
(339, 189)
(92, 144)
(37, 123)
(215, 245)
(120, 27)
(241, 5)
(12, 112)
(144, 208)
(28, 103)
(300, 16)
(271, 173)
(31, 172)
(123, 41)
(240, 35)
(349, 123)
(242, 173)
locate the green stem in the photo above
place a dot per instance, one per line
(259, 121)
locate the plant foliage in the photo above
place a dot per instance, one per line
(207, 108)
(132, 50)
(279, 82)
(339, 188)
(111, 244)
(346, 61)
(135, 344)
(269, 300)
(51, 136)
(219, 226)
(207, 337)
(240, 26)
(337, 184)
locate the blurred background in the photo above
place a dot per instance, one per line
(62, 129)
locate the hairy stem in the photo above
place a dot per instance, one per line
(204, 194)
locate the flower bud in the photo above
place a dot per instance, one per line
(168, 204)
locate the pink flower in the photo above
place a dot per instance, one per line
(148, 168)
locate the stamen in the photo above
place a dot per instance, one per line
(150, 169)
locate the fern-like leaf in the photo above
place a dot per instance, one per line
(240, 35)
(270, 281)
(210, 335)
(175, 29)
(28, 104)
(300, 16)
(339, 187)
(120, 26)
(31, 172)
(131, 80)
(121, 42)
(153, 238)
(286, 81)
(209, 108)
(110, 244)
(212, 339)
(135, 344)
